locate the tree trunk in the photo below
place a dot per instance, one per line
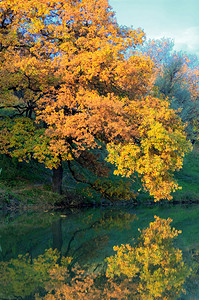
(57, 179)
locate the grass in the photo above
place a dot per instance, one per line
(188, 178)
(24, 184)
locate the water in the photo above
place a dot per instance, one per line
(88, 235)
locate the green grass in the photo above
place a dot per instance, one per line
(26, 184)
(188, 178)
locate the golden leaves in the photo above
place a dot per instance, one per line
(160, 148)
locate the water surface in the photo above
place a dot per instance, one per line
(89, 235)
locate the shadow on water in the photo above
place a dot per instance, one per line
(88, 236)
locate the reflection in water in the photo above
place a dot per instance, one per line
(77, 236)
(57, 234)
(33, 233)
(87, 242)
(23, 277)
(88, 236)
(154, 267)
(151, 269)
(27, 233)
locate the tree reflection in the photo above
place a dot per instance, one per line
(150, 269)
(95, 234)
(26, 233)
(57, 234)
(154, 267)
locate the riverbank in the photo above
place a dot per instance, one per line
(28, 186)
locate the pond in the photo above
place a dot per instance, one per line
(88, 236)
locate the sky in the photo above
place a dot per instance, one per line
(176, 19)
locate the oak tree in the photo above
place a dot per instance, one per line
(68, 83)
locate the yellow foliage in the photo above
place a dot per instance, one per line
(156, 149)
(154, 265)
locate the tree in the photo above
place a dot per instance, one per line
(67, 84)
(61, 59)
(159, 50)
(177, 77)
(178, 81)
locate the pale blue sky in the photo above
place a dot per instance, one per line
(177, 19)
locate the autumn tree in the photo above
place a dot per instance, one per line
(58, 62)
(67, 84)
(157, 149)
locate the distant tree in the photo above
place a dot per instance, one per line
(177, 77)
(159, 50)
(179, 82)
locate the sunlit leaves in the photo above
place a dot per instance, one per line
(158, 148)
